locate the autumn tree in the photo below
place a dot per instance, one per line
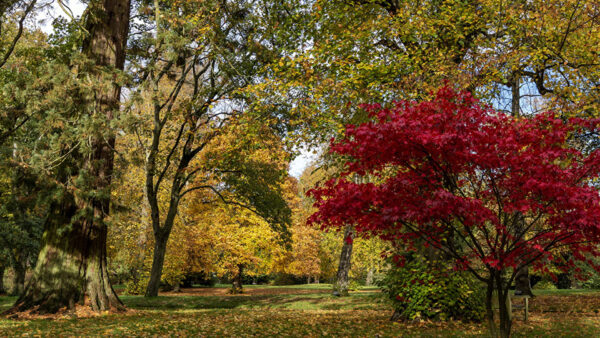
(508, 191)
(538, 54)
(203, 54)
(13, 14)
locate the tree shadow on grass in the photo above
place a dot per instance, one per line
(306, 301)
(6, 302)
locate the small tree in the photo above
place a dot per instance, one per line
(493, 192)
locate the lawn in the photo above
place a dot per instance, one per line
(300, 312)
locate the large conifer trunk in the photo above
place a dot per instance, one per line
(71, 266)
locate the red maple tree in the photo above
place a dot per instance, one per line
(494, 192)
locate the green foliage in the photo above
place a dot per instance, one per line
(419, 290)
(545, 284)
(589, 278)
(137, 286)
(354, 285)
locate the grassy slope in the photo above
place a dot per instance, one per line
(302, 314)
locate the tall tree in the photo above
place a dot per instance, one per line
(71, 266)
(195, 76)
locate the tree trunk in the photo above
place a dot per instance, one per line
(370, 277)
(72, 265)
(2, 269)
(504, 310)
(236, 285)
(20, 270)
(340, 286)
(489, 308)
(522, 282)
(160, 250)
(307, 279)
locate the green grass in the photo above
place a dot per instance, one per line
(316, 301)
(321, 286)
(565, 292)
(294, 314)
(6, 302)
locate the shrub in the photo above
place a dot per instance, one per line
(418, 290)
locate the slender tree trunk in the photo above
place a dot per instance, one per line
(307, 279)
(20, 270)
(504, 310)
(158, 260)
(489, 308)
(72, 265)
(370, 277)
(236, 286)
(161, 233)
(2, 269)
(340, 286)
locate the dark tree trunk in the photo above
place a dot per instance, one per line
(504, 310)
(236, 285)
(71, 266)
(489, 308)
(340, 286)
(158, 260)
(522, 282)
(162, 233)
(2, 269)
(19, 278)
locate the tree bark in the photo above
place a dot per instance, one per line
(19, 278)
(158, 260)
(2, 269)
(72, 265)
(504, 311)
(370, 277)
(489, 308)
(236, 285)
(340, 287)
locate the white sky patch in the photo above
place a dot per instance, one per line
(45, 18)
(300, 163)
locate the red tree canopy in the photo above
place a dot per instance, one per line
(506, 191)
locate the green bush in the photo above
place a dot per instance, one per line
(545, 284)
(419, 290)
(354, 285)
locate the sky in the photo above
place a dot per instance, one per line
(297, 166)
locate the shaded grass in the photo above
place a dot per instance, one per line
(316, 301)
(6, 302)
